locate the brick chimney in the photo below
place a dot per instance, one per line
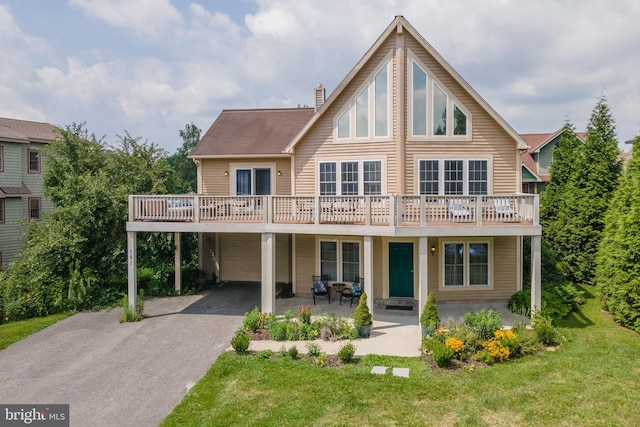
(320, 96)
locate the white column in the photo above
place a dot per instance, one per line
(268, 288)
(423, 261)
(132, 266)
(368, 270)
(536, 273)
(178, 263)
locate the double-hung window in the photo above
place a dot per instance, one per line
(339, 260)
(33, 161)
(35, 208)
(350, 177)
(466, 263)
(453, 176)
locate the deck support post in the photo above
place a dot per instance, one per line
(178, 263)
(536, 273)
(268, 287)
(368, 270)
(132, 266)
(423, 259)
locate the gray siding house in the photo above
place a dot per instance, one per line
(21, 180)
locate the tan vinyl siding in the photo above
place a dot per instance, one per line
(241, 257)
(305, 259)
(215, 182)
(319, 143)
(504, 275)
(488, 137)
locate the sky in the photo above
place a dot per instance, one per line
(150, 67)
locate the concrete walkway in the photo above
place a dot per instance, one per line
(131, 374)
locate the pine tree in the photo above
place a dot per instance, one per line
(580, 219)
(618, 260)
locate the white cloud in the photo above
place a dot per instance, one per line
(534, 62)
(149, 18)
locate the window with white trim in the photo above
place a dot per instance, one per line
(355, 177)
(339, 260)
(253, 181)
(465, 263)
(453, 176)
(433, 110)
(368, 114)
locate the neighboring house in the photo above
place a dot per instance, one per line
(404, 176)
(536, 161)
(21, 180)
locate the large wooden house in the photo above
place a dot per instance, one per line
(404, 176)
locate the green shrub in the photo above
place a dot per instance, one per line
(306, 332)
(313, 349)
(293, 352)
(545, 331)
(429, 319)
(251, 320)
(483, 322)
(362, 316)
(470, 338)
(558, 300)
(529, 342)
(277, 330)
(240, 341)
(346, 352)
(442, 354)
(291, 331)
(335, 328)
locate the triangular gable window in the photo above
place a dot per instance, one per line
(434, 113)
(368, 114)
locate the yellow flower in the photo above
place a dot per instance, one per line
(455, 344)
(499, 334)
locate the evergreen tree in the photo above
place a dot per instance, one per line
(618, 261)
(565, 156)
(580, 219)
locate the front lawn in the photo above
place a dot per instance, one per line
(590, 380)
(15, 331)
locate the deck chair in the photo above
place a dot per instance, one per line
(458, 210)
(355, 291)
(502, 208)
(320, 288)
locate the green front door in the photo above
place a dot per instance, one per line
(400, 269)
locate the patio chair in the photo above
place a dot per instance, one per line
(355, 291)
(457, 209)
(502, 208)
(320, 288)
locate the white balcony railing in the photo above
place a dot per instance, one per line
(405, 210)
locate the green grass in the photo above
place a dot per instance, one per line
(592, 379)
(15, 331)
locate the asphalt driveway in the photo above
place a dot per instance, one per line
(130, 374)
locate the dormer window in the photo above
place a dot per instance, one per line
(433, 111)
(367, 115)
